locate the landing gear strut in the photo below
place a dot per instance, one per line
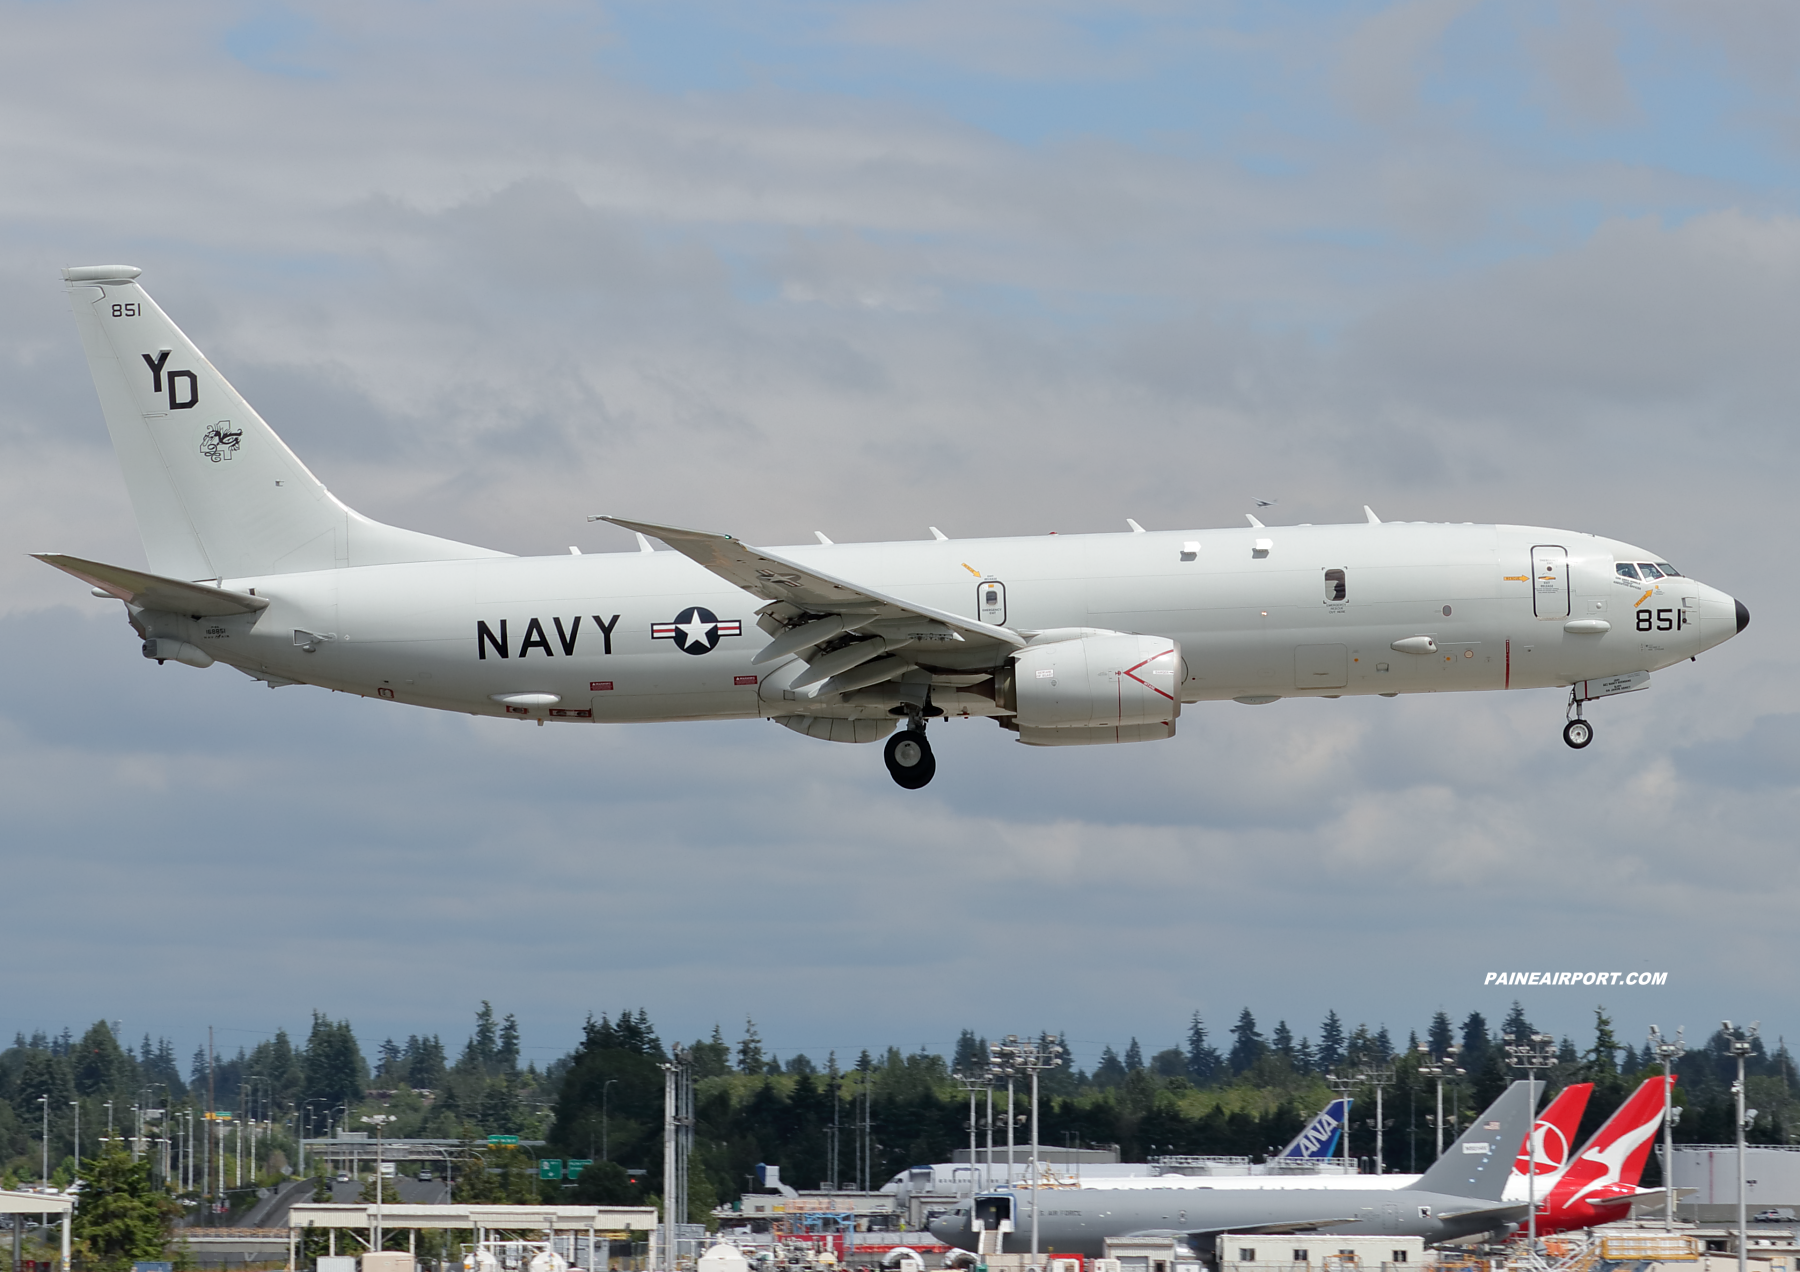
(908, 755)
(1577, 732)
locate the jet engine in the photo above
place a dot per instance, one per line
(1097, 687)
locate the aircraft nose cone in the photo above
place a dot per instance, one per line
(1743, 615)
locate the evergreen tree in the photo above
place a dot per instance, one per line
(1249, 1047)
(1306, 1060)
(1282, 1041)
(1331, 1043)
(1134, 1057)
(1565, 1051)
(711, 1059)
(1384, 1046)
(750, 1050)
(507, 1056)
(1441, 1034)
(970, 1059)
(1110, 1072)
(121, 1218)
(1515, 1023)
(334, 1068)
(102, 1068)
(1202, 1059)
(1603, 1058)
(1475, 1041)
(425, 1069)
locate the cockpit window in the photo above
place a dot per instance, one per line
(1626, 570)
(1668, 569)
(1649, 571)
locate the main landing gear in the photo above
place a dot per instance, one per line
(908, 755)
(1577, 732)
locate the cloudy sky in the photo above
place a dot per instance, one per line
(1003, 267)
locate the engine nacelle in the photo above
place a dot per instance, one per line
(162, 649)
(1098, 681)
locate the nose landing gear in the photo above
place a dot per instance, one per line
(1577, 732)
(908, 755)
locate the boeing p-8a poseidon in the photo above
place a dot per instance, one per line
(1062, 640)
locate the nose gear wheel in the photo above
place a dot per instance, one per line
(1578, 733)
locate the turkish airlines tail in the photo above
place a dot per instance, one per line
(216, 492)
(1619, 1149)
(1554, 1135)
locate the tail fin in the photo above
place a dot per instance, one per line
(1554, 1132)
(217, 493)
(1319, 1136)
(1478, 1164)
(1619, 1149)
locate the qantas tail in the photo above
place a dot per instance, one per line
(216, 492)
(1554, 1133)
(1478, 1164)
(1619, 1149)
(1319, 1137)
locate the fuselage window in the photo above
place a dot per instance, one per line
(1649, 571)
(1626, 570)
(1334, 585)
(1668, 569)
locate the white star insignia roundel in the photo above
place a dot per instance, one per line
(697, 630)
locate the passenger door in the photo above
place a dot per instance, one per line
(1550, 582)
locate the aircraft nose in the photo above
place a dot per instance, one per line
(1743, 615)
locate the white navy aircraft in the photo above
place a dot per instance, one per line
(1063, 640)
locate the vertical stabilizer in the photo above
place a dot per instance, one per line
(216, 492)
(1554, 1132)
(1478, 1164)
(1617, 1153)
(1318, 1138)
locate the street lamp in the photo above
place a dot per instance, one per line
(605, 1125)
(1441, 1068)
(1532, 1053)
(76, 1105)
(1743, 1043)
(1379, 1079)
(45, 1101)
(1668, 1051)
(1033, 1058)
(1343, 1087)
(378, 1120)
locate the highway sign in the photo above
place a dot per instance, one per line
(550, 1168)
(503, 1141)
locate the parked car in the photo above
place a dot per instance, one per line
(1776, 1214)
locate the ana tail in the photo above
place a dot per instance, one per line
(217, 494)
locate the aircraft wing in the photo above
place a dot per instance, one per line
(1499, 1214)
(1283, 1225)
(807, 588)
(152, 591)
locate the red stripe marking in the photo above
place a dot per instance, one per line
(1132, 672)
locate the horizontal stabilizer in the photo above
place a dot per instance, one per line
(1499, 1214)
(151, 591)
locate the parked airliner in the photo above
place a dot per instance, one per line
(1060, 639)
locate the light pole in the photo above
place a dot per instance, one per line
(1379, 1079)
(109, 1105)
(606, 1121)
(1343, 1087)
(1441, 1068)
(1743, 1043)
(45, 1101)
(76, 1105)
(1668, 1051)
(1532, 1053)
(378, 1120)
(1016, 1057)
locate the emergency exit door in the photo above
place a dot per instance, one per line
(990, 602)
(1550, 582)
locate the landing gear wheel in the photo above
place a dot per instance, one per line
(1578, 733)
(909, 758)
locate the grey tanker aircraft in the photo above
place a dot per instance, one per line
(1062, 640)
(1459, 1197)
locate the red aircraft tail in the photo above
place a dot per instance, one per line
(1554, 1132)
(1613, 1161)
